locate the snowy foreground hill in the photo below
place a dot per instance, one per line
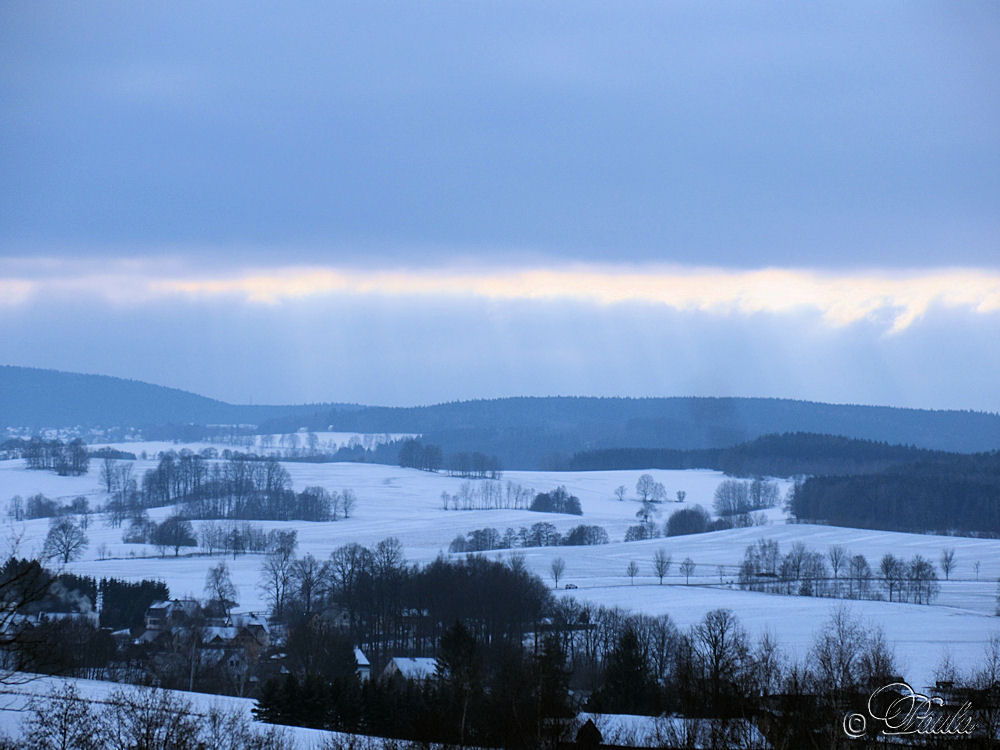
(407, 504)
(16, 699)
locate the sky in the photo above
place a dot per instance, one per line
(405, 203)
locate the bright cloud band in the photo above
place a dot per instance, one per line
(841, 298)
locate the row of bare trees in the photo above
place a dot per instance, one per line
(66, 459)
(491, 494)
(838, 573)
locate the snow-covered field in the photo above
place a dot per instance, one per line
(16, 696)
(278, 444)
(406, 503)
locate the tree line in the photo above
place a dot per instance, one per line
(956, 493)
(511, 662)
(513, 692)
(787, 454)
(236, 488)
(838, 573)
(542, 534)
(65, 459)
(415, 454)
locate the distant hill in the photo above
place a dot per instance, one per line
(786, 455)
(523, 432)
(547, 431)
(36, 398)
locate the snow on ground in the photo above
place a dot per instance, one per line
(267, 444)
(16, 695)
(406, 503)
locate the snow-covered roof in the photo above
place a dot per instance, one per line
(248, 619)
(360, 658)
(415, 668)
(225, 633)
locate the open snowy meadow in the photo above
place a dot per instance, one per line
(406, 503)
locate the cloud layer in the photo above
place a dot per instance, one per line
(895, 298)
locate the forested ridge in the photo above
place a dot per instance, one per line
(785, 455)
(523, 432)
(953, 493)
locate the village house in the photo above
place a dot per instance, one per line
(418, 668)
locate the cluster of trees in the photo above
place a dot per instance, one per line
(66, 459)
(30, 640)
(29, 588)
(488, 495)
(388, 607)
(240, 537)
(541, 534)
(124, 603)
(557, 501)
(474, 465)
(509, 658)
(173, 533)
(954, 493)
(478, 696)
(733, 497)
(693, 520)
(413, 454)
(137, 718)
(236, 488)
(838, 573)
(40, 506)
(661, 567)
(787, 454)
(513, 694)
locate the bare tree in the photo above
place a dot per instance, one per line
(62, 720)
(347, 502)
(275, 578)
(947, 561)
(661, 564)
(732, 497)
(977, 565)
(838, 557)
(219, 587)
(620, 492)
(644, 487)
(659, 493)
(632, 571)
(720, 644)
(557, 568)
(516, 562)
(681, 494)
(893, 572)
(66, 540)
(687, 569)
(109, 474)
(848, 655)
(308, 577)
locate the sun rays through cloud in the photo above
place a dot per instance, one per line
(842, 298)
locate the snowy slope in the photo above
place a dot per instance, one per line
(406, 503)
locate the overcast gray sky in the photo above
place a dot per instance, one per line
(413, 202)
